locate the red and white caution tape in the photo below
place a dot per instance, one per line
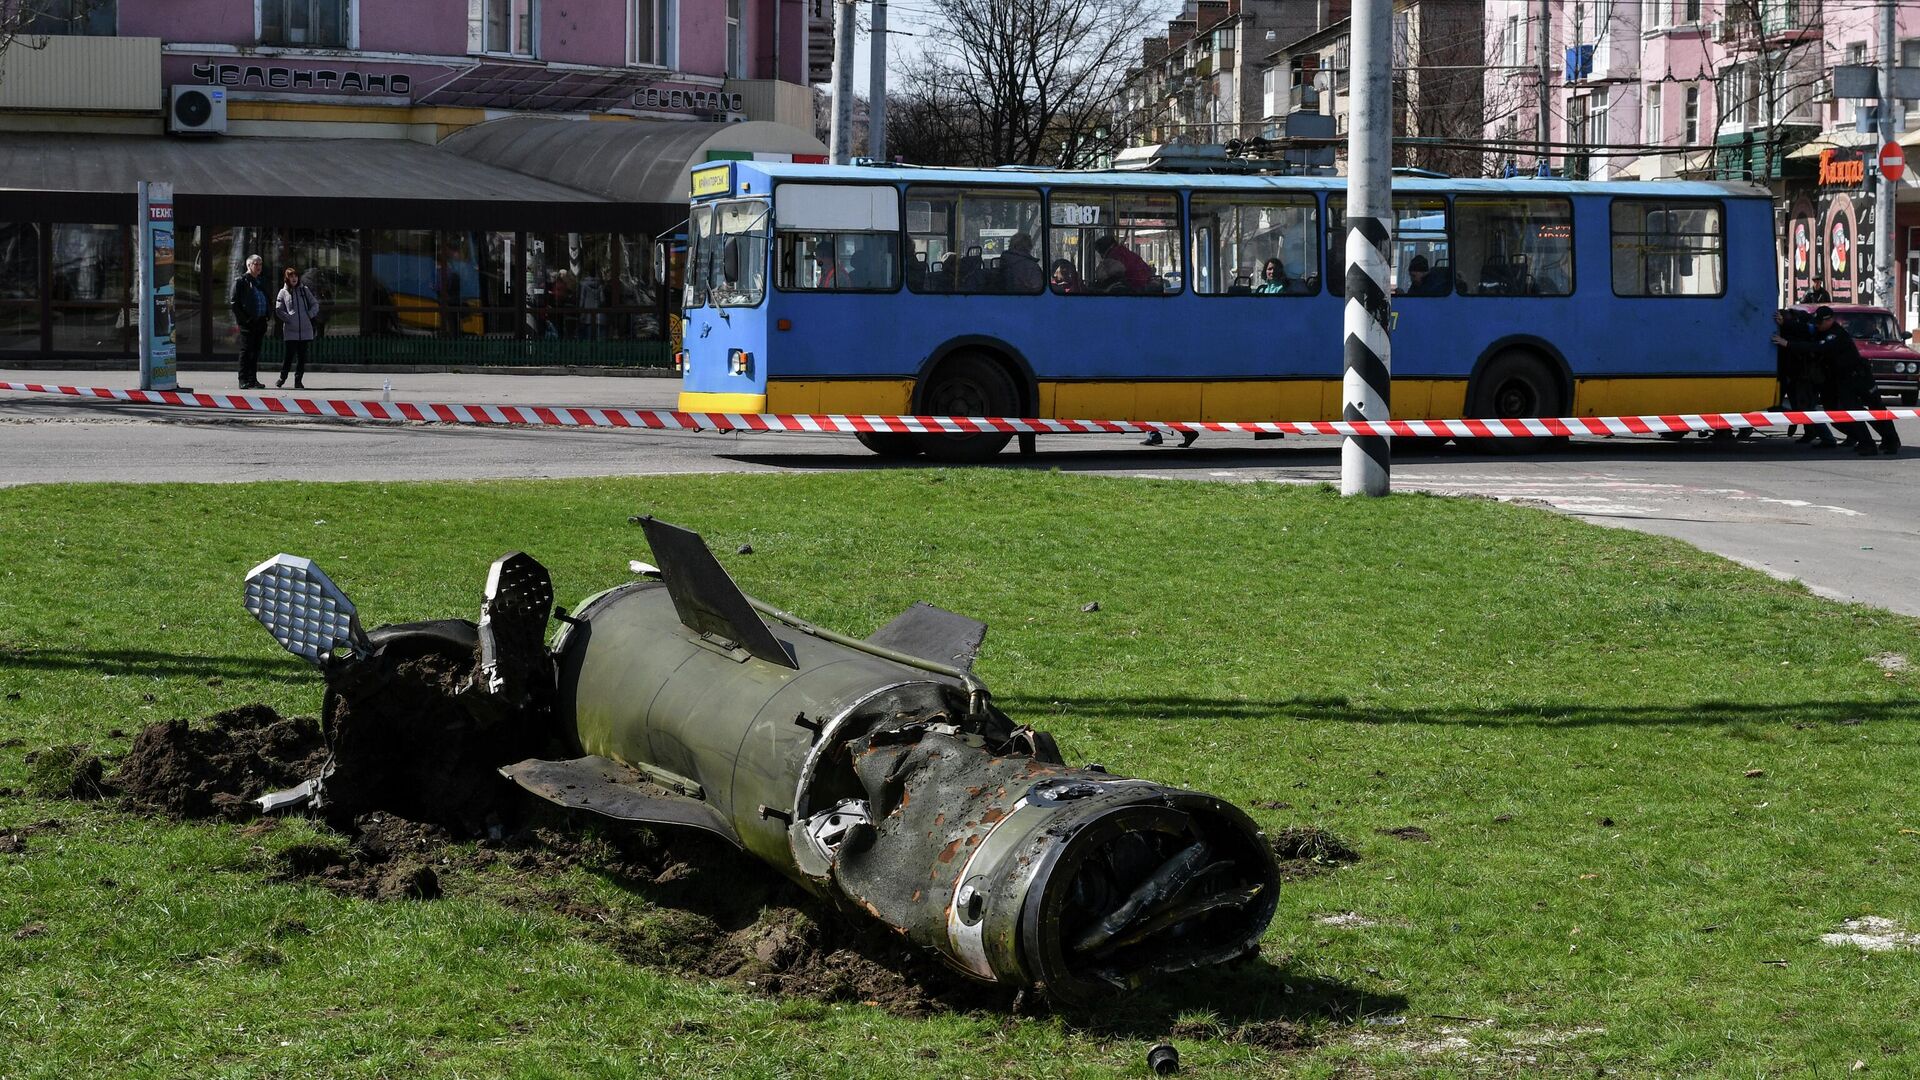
(821, 423)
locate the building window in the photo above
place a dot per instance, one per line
(74, 18)
(736, 41)
(1849, 107)
(1690, 124)
(1514, 43)
(1692, 11)
(313, 24)
(1655, 94)
(1910, 57)
(652, 39)
(503, 27)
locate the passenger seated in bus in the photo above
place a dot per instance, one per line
(1120, 269)
(1019, 270)
(1066, 279)
(917, 272)
(826, 272)
(971, 275)
(1273, 279)
(1424, 281)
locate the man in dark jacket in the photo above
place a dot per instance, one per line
(1802, 376)
(1849, 379)
(252, 312)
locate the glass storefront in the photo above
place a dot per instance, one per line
(19, 286)
(91, 289)
(406, 295)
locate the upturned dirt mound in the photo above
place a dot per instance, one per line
(219, 767)
(404, 743)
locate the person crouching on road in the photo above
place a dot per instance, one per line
(299, 313)
(252, 308)
(1849, 379)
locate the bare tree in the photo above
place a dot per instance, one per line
(1021, 82)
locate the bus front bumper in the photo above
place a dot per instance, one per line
(695, 401)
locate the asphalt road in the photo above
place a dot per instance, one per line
(1847, 526)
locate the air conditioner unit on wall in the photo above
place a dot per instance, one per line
(197, 110)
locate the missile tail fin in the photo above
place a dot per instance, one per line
(605, 787)
(933, 634)
(705, 596)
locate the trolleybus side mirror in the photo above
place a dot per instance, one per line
(660, 262)
(730, 260)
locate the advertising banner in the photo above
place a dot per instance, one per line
(153, 284)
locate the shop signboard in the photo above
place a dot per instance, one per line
(1846, 224)
(153, 286)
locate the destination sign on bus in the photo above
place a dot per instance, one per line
(713, 181)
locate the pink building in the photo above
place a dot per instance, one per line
(466, 180)
(1719, 89)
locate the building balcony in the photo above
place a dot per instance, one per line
(1788, 21)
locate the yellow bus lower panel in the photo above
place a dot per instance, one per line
(1250, 399)
(1650, 397)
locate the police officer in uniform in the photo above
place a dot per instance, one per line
(1849, 379)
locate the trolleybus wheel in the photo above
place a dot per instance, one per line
(1514, 386)
(889, 445)
(967, 384)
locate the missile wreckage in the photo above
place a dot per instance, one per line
(876, 773)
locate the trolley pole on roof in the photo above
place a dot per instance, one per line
(840, 131)
(877, 85)
(1364, 466)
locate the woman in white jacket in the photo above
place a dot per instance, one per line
(298, 310)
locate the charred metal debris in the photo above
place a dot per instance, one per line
(875, 773)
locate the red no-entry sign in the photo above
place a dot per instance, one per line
(1893, 164)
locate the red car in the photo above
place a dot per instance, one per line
(1896, 366)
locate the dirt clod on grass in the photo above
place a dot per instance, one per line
(1303, 850)
(1265, 1034)
(64, 772)
(1413, 833)
(387, 858)
(217, 768)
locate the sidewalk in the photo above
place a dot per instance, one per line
(447, 388)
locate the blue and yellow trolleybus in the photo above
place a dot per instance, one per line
(1139, 296)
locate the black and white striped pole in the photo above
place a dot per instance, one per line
(1366, 390)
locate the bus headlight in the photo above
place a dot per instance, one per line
(739, 361)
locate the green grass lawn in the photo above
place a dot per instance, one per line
(1651, 781)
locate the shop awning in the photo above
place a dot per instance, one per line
(280, 181)
(631, 161)
(342, 168)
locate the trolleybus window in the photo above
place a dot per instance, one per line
(1668, 248)
(1419, 244)
(728, 246)
(1235, 237)
(1125, 242)
(1512, 246)
(855, 261)
(974, 240)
